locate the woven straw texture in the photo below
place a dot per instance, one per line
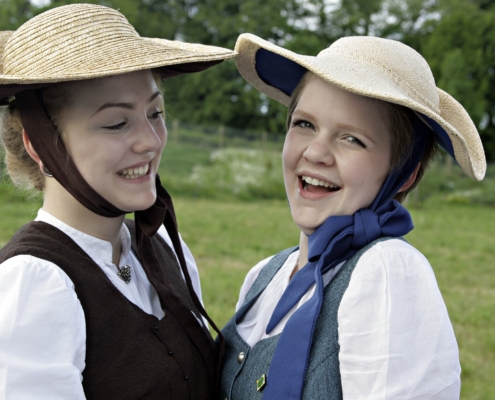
(82, 41)
(4, 36)
(383, 69)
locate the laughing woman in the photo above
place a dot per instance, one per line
(92, 306)
(355, 312)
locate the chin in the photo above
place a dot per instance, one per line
(307, 223)
(304, 227)
(136, 206)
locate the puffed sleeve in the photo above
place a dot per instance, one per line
(396, 339)
(42, 332)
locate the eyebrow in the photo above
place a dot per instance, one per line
(354, 129)
(128, 106)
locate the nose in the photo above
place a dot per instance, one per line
(151, 137)
(319, 150)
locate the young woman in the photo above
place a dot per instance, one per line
(355, 312)
(92, 306)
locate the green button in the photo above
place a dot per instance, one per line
(260, 383)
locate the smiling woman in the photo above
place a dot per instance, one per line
(91, 305)
(355, 311)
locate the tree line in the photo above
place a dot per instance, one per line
(457, 38)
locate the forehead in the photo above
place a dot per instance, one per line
(319, 95)
(316, 86)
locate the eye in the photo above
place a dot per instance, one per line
(301, 123)
(355, 141)
(116, 127)
(156, 115)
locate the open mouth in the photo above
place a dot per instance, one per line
(134, 173)
(314, 185)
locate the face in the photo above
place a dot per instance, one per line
(114, 131)
(336, 154)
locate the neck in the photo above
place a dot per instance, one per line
(62, 205)
(303, 253)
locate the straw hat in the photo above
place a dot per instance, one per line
(374, 67)
(82, 41)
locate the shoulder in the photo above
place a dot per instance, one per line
(393, 254)
(162, 232)
(249, 280)
(390, 270)
(192, 268)
(255, 271)
(25, 279)
(33, 269)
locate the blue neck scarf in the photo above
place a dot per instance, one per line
(338, 239)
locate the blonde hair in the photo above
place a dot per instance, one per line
(22, 169)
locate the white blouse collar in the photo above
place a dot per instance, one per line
(97, 249)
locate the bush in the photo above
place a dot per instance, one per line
(441, 185)
(243, 173)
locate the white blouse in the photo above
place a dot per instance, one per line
(396, 339)
(42, 324)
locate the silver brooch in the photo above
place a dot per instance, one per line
(125, 273)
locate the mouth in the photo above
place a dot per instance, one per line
(317, 186)
(134, 173)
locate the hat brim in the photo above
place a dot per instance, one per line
(10, 89)
(276, 71)
(170, 57)
(86, 41)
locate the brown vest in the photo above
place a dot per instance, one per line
(129, 353)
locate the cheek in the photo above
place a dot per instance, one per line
(291, 152)
(288, 165)
(95, 157)
(163, 136)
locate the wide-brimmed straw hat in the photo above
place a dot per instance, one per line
(373, 67)
(83, 41)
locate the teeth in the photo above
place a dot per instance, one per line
(317, 182)
(133, 173)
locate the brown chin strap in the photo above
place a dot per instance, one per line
(56, 159)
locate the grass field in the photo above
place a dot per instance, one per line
(229, 237)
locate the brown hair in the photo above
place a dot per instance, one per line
(400, 121)
(22, 169)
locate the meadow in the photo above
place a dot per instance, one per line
(230, 231)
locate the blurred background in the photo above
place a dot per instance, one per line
(222, 162)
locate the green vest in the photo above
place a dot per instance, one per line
(243, 366)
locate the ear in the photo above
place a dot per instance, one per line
(412, 178)
(30, 149)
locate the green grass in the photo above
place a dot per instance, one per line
(16, 209)
(459, 243)
(228, 237)
(178, 159)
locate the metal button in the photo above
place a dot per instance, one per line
(240, 357)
